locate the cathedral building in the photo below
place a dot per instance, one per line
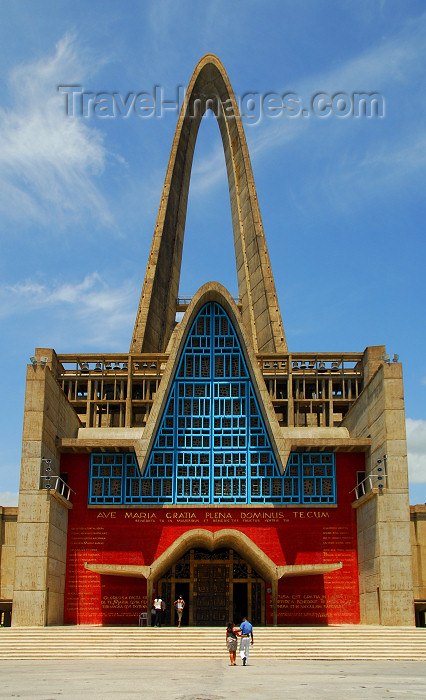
(209, 460)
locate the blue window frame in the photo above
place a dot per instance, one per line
(308, 479)
(318, 478)
(212, 445)
(106, 478)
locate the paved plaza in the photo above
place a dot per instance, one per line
(200, 679)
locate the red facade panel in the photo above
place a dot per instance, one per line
(288, 535)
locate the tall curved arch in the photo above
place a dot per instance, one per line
(209, 87)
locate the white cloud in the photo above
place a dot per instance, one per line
(407, 156)
(384, 168)
(395, 61)
(98, 311)
(416, 450)
(8, 498)
(49, 162)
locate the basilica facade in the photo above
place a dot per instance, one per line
(209, 460)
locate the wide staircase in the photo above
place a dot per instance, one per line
(296, 643)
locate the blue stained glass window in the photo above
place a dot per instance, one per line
(212, 445)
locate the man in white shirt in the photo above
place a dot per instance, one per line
(246, 630)
(159, 607)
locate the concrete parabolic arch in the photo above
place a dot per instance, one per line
(209, 88)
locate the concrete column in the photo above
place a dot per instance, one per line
(383, 515)
(41, 539)
(274, 585)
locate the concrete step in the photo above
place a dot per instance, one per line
(330, 643)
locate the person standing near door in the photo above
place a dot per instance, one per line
(159, 607)
(179, 606)
(246, 629)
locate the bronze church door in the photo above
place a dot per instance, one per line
(211, 594)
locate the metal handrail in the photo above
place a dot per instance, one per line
(186, 300)
(60, 485)
(380, 482)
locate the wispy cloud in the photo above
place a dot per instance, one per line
(49, 163)
(393, 59)
(416, 450)
(100, 312)
(208, 171)
(384, 169)
(396, 61)
(406, 157)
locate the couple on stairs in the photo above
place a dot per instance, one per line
(245, 632)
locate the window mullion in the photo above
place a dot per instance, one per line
(248, 462)
(211, 380)
(175, 442)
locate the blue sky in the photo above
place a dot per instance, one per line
(342, 198)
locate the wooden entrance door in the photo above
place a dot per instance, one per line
(218, 586)
(211, 594)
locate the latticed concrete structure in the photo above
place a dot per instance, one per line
(209, 460)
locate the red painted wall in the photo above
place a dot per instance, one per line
(295, 535)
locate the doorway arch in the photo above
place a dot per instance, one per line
(218, 586)
(253, 569)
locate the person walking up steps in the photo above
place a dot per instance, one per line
(246, 629)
